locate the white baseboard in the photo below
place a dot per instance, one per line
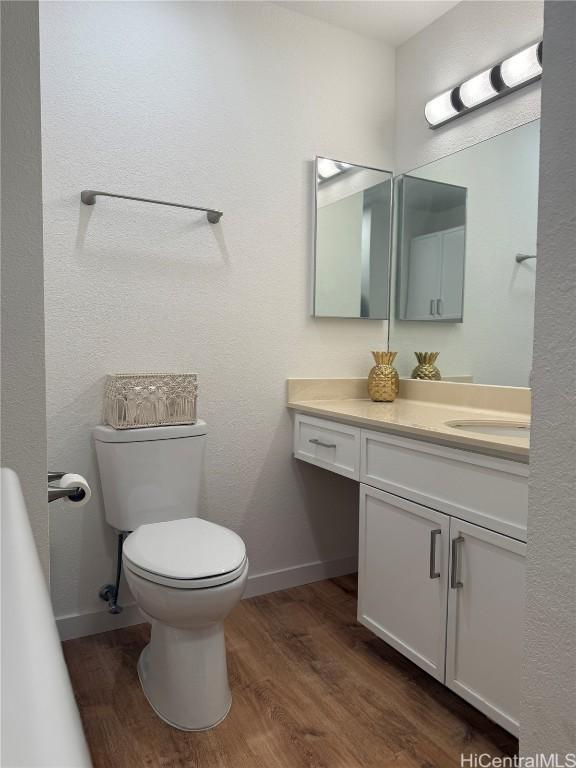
(273, 581)
(83, 624)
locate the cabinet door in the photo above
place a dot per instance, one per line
(485, 617)
(424, 277)
(449, 307)
(403, 576)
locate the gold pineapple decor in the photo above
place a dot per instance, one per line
(426, 368)
(383, 381)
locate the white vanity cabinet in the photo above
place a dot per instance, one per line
(448, 595)
(442, 555)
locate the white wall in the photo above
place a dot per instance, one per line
(23, 414)
(548, 722)
(219, 104)
(473, 35)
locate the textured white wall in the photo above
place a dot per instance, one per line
(23, 415)
(219, 104)
(470, 37)
(548, 722)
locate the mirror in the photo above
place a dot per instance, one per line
(431, 220)
(352, 240)
(462, 284)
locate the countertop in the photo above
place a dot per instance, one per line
(424, 420)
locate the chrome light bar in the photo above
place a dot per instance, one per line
(514, 72)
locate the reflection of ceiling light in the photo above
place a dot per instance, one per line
(440, 109)
(522, 67)
(478, 89)
(329, 168)
(514, 72)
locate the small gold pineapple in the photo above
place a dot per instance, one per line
(426, 368)
(383, 381)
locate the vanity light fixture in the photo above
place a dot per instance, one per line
(512, 73)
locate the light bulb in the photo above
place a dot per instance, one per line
(440, 108)
(521, 67)
(477, 90)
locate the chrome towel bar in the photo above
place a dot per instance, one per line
(88, 197)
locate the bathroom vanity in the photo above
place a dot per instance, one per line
(443, 470)
(443, 515)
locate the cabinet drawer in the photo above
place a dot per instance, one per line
(481, 489)
(328, 444)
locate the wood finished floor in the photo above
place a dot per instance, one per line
(311, 689)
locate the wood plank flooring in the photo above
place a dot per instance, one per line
(311, 689)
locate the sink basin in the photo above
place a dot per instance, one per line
(492, 427)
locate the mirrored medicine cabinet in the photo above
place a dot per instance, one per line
(445, 252)
(352, 243)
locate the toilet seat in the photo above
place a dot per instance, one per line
(190, 553)
(205, 583)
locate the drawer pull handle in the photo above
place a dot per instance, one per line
(434, 574)
(455, 582)
(315, 441)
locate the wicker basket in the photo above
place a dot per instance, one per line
(134, 400)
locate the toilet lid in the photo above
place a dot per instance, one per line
(189, 549)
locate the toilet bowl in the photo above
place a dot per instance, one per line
(186, 576)
(185, 573)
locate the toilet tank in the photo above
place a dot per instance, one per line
(150, 475)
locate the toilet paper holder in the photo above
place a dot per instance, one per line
(54, 493)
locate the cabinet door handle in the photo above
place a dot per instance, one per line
(432, 305)
(434, 574)
(455, 582)
(439, 306)
(315, 441)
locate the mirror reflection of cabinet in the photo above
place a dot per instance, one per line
(435, 276)
(431, 247)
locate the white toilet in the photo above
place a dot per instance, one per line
(185, 573)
